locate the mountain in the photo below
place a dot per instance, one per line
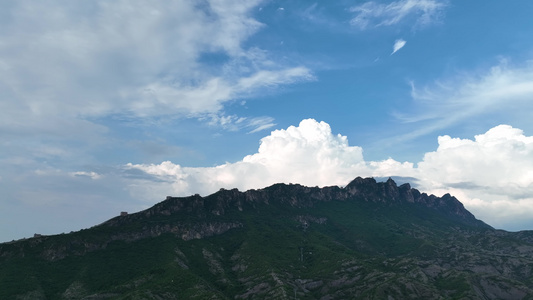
(367, 240)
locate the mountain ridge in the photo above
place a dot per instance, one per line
(366, 240)
(367, 189)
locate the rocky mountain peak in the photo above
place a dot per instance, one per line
(299, 196)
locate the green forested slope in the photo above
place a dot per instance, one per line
(368, 240)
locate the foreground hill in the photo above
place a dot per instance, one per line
(368, 240)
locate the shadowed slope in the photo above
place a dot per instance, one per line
(368, 240)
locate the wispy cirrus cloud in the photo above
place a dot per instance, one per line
(260, 124)
(372, 14)
(500, 89)
(235, 123)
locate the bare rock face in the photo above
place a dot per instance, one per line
(389, 192)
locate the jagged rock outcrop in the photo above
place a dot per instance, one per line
(294, 195)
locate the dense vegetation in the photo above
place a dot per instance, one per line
(365, 241)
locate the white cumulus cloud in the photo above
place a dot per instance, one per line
(308, 154)
(492, 174)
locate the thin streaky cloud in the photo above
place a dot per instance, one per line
(469, 96)
(260, 123)
(374, 14)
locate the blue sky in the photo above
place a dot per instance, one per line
(109, 106)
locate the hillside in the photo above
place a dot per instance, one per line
(367, 240)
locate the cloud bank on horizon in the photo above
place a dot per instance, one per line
(108, 106)
(492, 174)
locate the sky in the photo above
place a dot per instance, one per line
(110, 106)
